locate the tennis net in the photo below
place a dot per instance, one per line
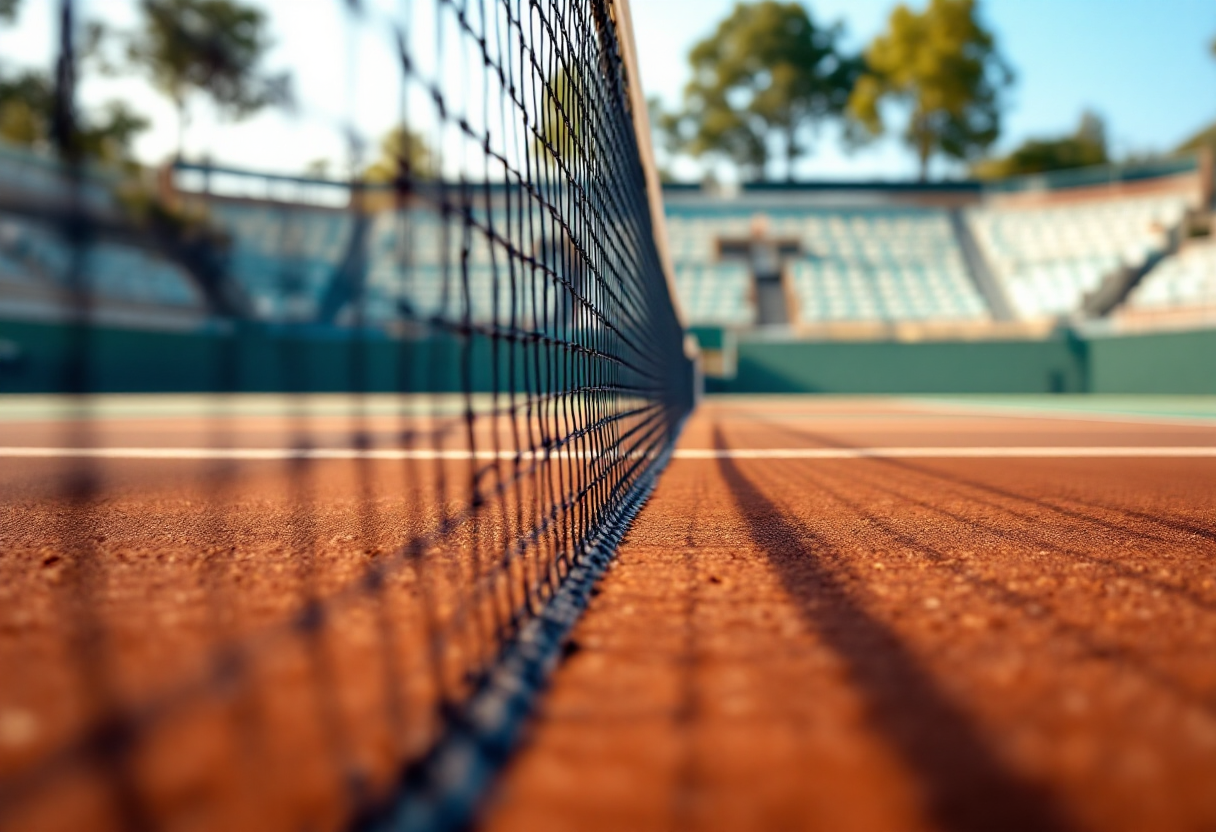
(319, 467)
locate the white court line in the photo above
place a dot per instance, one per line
(1061, 414)
(274, 454)
(259, 454)
(947, 453)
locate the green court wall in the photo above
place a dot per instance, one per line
(34, 358)
(37, 359)
(1056, 365)
(1175, 363)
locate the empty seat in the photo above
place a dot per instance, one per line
(1187, 279)
(1050, 258)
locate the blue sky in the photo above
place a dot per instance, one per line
(1142, 64)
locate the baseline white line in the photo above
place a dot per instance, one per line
(282, 454)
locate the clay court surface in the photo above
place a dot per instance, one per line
(886, 644)
(871, 614)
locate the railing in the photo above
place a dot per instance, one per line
(1096, 175)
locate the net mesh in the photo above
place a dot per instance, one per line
(388, 426)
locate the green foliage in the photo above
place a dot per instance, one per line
(402, 153)
(212, 47)
(768, 72)
(1204, 138)
(318, 168)
(25, 108)
(27, 105)
(943, 66)
(1086, 146)
(26, 112)
(563, 100)
(108, 137)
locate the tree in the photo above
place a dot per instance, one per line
(1086, 146)
(27, 103)
(768, 74)
(317, 169)
(25, 108)
(209, 47)
(26, 112)
(1205, 137)
(943, 66)
(565, 101)
(108, 137)
(403, 154)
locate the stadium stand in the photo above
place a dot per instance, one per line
(716, 294)
(1050, 257)
(288, 258)
(36, 178)
(842, 264)
(282, 256)
(712, 293)
(1185, 280)
(37, 264)
(417, 268)
(33, 254)
(883, 266)
(851, 264)
(873, 256)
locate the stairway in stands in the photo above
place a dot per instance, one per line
(770, 301)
